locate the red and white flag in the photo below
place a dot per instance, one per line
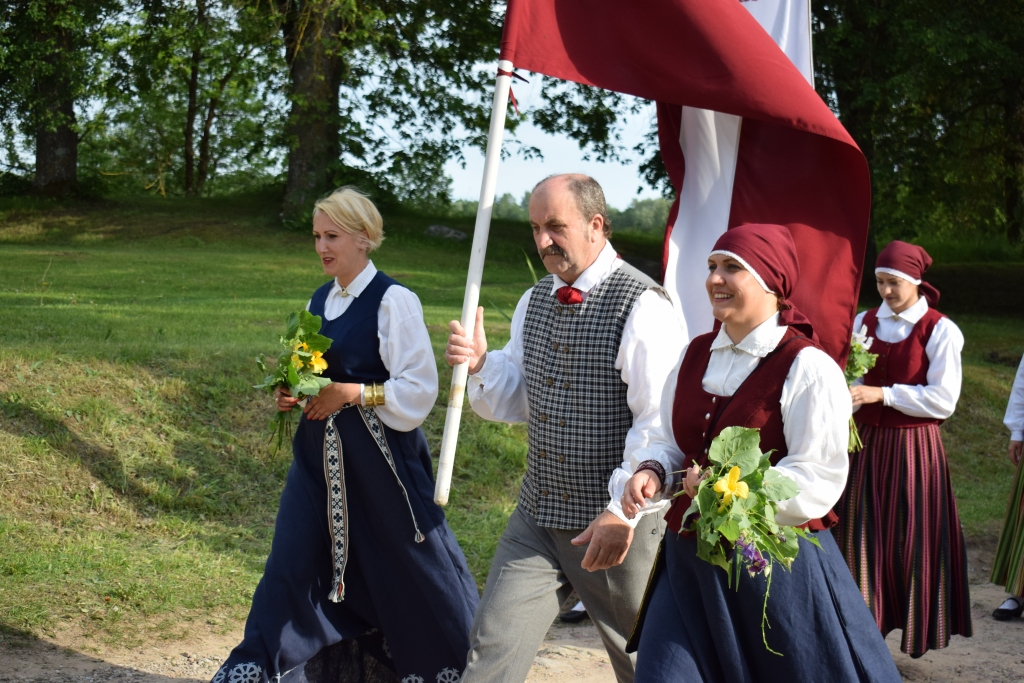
(744, 136)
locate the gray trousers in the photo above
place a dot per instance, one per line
(534, 570)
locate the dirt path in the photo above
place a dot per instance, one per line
(569, 653)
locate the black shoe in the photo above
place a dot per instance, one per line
(1006, 611)
(574, 615)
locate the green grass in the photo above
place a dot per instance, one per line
(137, 493)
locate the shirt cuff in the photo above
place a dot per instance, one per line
(362, 394)
(888, 399)
(615, 507)
(1017, 435)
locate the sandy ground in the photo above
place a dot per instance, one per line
(568, 653)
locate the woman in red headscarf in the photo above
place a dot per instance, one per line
(899, 527)
(762, 369)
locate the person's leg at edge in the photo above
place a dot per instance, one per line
(613, 596)
(525, 588)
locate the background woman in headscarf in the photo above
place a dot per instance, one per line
(1008, 567)
(899, 527)
(764, 370)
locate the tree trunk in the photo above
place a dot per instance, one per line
(57, 154)
(315, 72)
(1013, 156)
(193, 100)
(56, 135)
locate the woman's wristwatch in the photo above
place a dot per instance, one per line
(373, 394)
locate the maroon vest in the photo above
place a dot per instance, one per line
(902, 362)
(698, 416)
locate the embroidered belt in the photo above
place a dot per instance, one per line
(337, 504)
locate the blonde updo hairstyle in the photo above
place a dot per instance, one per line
(353, 212)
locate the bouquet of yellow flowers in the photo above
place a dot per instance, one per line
(857, 365)
(737, 501)
(298, 367)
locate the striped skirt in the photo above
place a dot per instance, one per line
(900, 534)
(1008, 568)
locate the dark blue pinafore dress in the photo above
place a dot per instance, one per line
(360, 548)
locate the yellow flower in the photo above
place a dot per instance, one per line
(296, 361)
(318, 363)
(300, 346)
(730, 485)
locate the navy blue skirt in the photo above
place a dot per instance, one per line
(697, 628)
(415, 600)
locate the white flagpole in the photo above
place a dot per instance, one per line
(460, 373)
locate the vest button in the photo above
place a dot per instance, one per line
(565, 496)
(572, 311)
(558, 308)
(714, 398)
(561, 458)
(543, 454)
(565, 347)
(550, 381)
(708, 416)
(561, 423)
(543, 492)
(703, 434)
(565, 386)
(556, 346)
(543, 418)
(705, 451)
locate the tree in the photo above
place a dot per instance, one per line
(383, 89)
(47, 49)
(193, 91)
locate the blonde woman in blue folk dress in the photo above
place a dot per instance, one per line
(361, 553)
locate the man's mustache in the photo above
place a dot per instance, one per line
(553, 250)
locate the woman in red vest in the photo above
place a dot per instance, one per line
(762, 369)
(899, 527)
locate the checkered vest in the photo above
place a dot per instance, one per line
(578, 412)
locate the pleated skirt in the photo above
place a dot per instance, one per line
(900, 534)
(699, 629)
(407, 606)
(1008, 567)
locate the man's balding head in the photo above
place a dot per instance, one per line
(587, 195)
(569, 221)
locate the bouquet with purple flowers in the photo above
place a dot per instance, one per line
(737, 501)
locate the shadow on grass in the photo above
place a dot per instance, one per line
(155, 487)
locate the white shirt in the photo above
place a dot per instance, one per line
(405, 350)
(651, 341)
(1014, 419)
(816, 411)
(938, 398)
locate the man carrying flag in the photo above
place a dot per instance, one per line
(591, 347)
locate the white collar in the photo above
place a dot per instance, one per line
(912, 315)
(596, 272)
(358, 284)
(761, 341)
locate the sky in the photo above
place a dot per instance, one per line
(561, 155)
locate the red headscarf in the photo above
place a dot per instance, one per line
(909, 262)
(769, 254)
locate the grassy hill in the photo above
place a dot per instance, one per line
(137, 493)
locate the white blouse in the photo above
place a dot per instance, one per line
(405, 350)
(816, 411)
(936, 399)
(652, 338)
(1014, 419)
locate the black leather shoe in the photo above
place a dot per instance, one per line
(574, 615)
(1006, 611)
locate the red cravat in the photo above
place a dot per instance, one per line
(569, 295)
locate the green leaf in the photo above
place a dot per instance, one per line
(778, 486)
(737, 447)
(731, 529)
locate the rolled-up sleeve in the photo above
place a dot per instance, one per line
(816, 409)
(498, 391)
